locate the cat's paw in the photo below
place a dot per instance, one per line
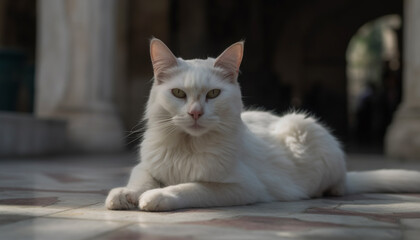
(156, 200)
(121, 198)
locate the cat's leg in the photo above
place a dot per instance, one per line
(127, 197)
(199, 194)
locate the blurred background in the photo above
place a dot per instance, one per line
(75, 74)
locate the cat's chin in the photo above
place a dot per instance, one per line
(196, 130)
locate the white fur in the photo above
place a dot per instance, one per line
(235, 157)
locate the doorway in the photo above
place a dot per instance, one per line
(373, 81)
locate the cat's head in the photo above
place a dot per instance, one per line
(195, 96)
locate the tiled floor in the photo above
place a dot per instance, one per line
(62, 198)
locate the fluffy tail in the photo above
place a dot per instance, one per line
(383, 181)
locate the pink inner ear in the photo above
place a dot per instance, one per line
(162, 58)
(231, 59)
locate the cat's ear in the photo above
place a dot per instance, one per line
(230, 60)
(162, 59)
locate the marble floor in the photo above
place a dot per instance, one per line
(63, 198)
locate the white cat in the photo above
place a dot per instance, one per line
(201, 149)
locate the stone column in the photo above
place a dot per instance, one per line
(403, 136)
(76, 71)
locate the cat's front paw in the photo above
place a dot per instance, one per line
(121, 199)
(156, 200)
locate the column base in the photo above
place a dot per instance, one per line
(23, 135)
(95, 132)
(402, 140)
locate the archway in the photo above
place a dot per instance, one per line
(373, 81)
(322, 66)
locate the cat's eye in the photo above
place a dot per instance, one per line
(213, 93)
(178, 93)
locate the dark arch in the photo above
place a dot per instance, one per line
(325, 44)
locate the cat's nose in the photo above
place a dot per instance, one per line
(196, 114)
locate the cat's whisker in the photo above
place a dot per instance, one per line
(133, 132)
(139, 130)
(132, 141)
(161, 120)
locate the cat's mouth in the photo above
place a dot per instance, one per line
(196, 126)
(196, 129)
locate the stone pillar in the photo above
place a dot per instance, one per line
(403, 136)
(76, 71)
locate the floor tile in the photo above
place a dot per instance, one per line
(411, 223)
(63, 198)
(402, 207)
(54, 228)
